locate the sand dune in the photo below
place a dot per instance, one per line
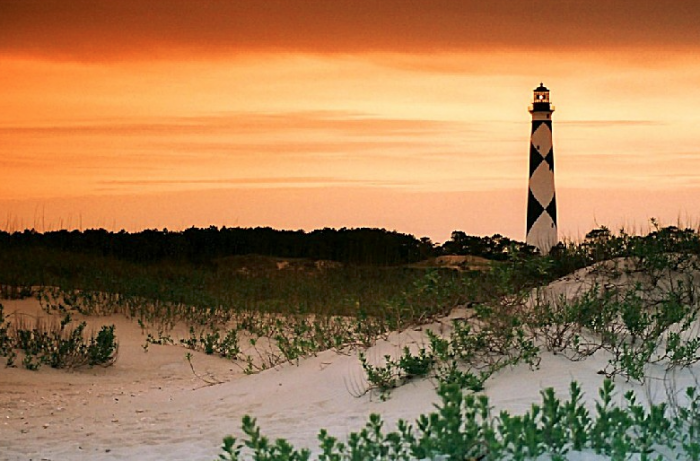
(150, 406)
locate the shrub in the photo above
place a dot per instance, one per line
(59, 345)
(463, 427)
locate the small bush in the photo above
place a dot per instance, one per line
(463, 427)
(58, 345)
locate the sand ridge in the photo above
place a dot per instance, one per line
(150, 406)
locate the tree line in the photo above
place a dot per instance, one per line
(366, 246)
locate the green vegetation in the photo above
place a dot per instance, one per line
(100, 285)
(641, 315)
(263, 302)
(463, 427)
(256, 310)
(642, 309)
(59, 345)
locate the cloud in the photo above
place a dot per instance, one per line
(609, 123)
(308, 181)
(255, 150)
(289, 138)
(156, 142)
(255, 123)
(107, 30)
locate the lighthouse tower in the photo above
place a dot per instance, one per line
(541, 200)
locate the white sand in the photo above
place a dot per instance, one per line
(150, 406)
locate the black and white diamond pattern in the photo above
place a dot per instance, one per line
(541, 204)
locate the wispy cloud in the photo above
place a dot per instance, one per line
(251, 150)
(610, 123)
(248, 137)
(344, 122)
(262, 181)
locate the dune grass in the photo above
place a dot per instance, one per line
(257, 311)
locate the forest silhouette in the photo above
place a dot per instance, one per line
(362, 246)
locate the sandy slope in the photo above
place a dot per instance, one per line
(150, 406)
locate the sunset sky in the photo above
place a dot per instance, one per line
(409, 115)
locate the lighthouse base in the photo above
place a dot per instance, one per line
(543, 234)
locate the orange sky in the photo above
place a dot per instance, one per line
(404, 114)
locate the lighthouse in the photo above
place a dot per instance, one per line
(541, 200)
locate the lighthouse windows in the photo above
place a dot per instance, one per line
(541, 96)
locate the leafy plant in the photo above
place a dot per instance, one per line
(464, 427)
(59, 345)
(384, 377)
(5, 341)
